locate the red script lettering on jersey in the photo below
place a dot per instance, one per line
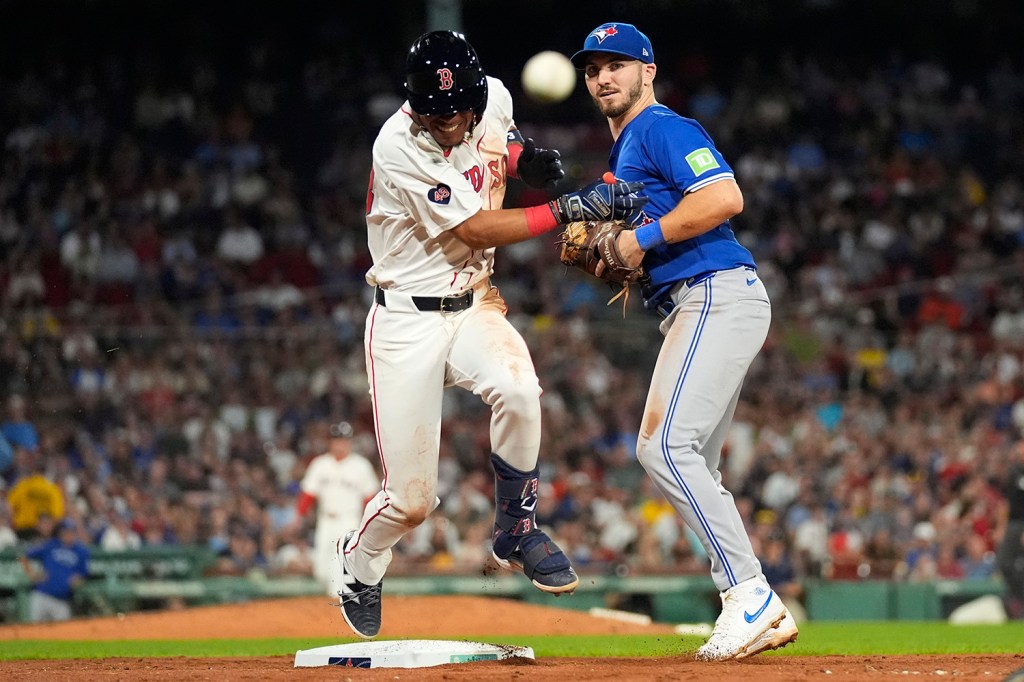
(499, 171)
(475, 175)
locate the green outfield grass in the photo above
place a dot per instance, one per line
(816, 639)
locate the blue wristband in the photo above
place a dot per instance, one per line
(650, 235)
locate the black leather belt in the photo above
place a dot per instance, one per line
(443, 304)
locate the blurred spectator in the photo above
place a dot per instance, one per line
(118, 535)
(17, 428)
(978, 561)
(781, 572)
(7, 536)
(80, 253)
(883, 555)
(846, 554)
(623, 471)
(811, 541)
(239, 242)
(31, 497)
(467, 504)
(6, 457)
(26, 287)
(921, 557)
(947, 564)
(473, 553)
(241, 558)
(217, 531)
(294, 557)
(435, 542)
(278, 295)
(281, 459)
(56, 567)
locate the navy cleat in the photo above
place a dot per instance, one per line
(517, 542)
(360, 603)
(543, 562)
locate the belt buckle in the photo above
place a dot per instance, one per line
(447, 304)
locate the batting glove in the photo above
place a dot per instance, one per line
(539, 168)
(599, 201)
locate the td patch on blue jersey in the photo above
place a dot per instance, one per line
(701, 160)
(441, 194)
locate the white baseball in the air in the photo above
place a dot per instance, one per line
(549, 77)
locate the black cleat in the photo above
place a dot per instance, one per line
(360, 603)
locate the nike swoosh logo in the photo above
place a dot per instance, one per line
(751, 617)
(750, 282)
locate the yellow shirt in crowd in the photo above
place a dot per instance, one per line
(32, 496)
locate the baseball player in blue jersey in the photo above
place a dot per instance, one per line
(716, 316)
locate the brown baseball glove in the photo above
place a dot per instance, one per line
(587, 243)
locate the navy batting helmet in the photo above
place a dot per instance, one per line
(443, 75)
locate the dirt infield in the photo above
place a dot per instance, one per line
(445, 618)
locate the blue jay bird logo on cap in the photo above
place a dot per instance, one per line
(604, 32)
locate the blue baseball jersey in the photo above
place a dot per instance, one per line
(673, 155)
(61, 563)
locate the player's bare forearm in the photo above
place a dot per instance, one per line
(702, 210)
(500, 227)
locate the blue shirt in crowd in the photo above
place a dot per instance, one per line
(22, 433)
(61, 563)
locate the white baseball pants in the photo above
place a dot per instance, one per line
(411, 357)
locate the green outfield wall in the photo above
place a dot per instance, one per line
(152, 578)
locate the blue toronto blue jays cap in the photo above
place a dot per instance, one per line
(615, 38)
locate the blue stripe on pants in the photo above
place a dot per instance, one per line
(673, 404)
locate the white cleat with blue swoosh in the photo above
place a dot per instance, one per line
(753, 620)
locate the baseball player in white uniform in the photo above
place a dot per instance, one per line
(434, 215)
(338, 482)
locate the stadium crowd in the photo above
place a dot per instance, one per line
(183, 300)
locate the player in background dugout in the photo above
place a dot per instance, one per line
(434, 217)
(56, 567)
(716, 312)
(338, 482)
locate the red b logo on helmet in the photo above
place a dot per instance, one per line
(447, 79)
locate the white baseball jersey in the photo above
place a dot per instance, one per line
(419, 191)
(340, 487)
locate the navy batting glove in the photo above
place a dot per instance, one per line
(540, 168)
(599, 201)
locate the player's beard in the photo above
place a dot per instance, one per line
(612, 110)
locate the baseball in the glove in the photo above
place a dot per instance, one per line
(587, 243)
